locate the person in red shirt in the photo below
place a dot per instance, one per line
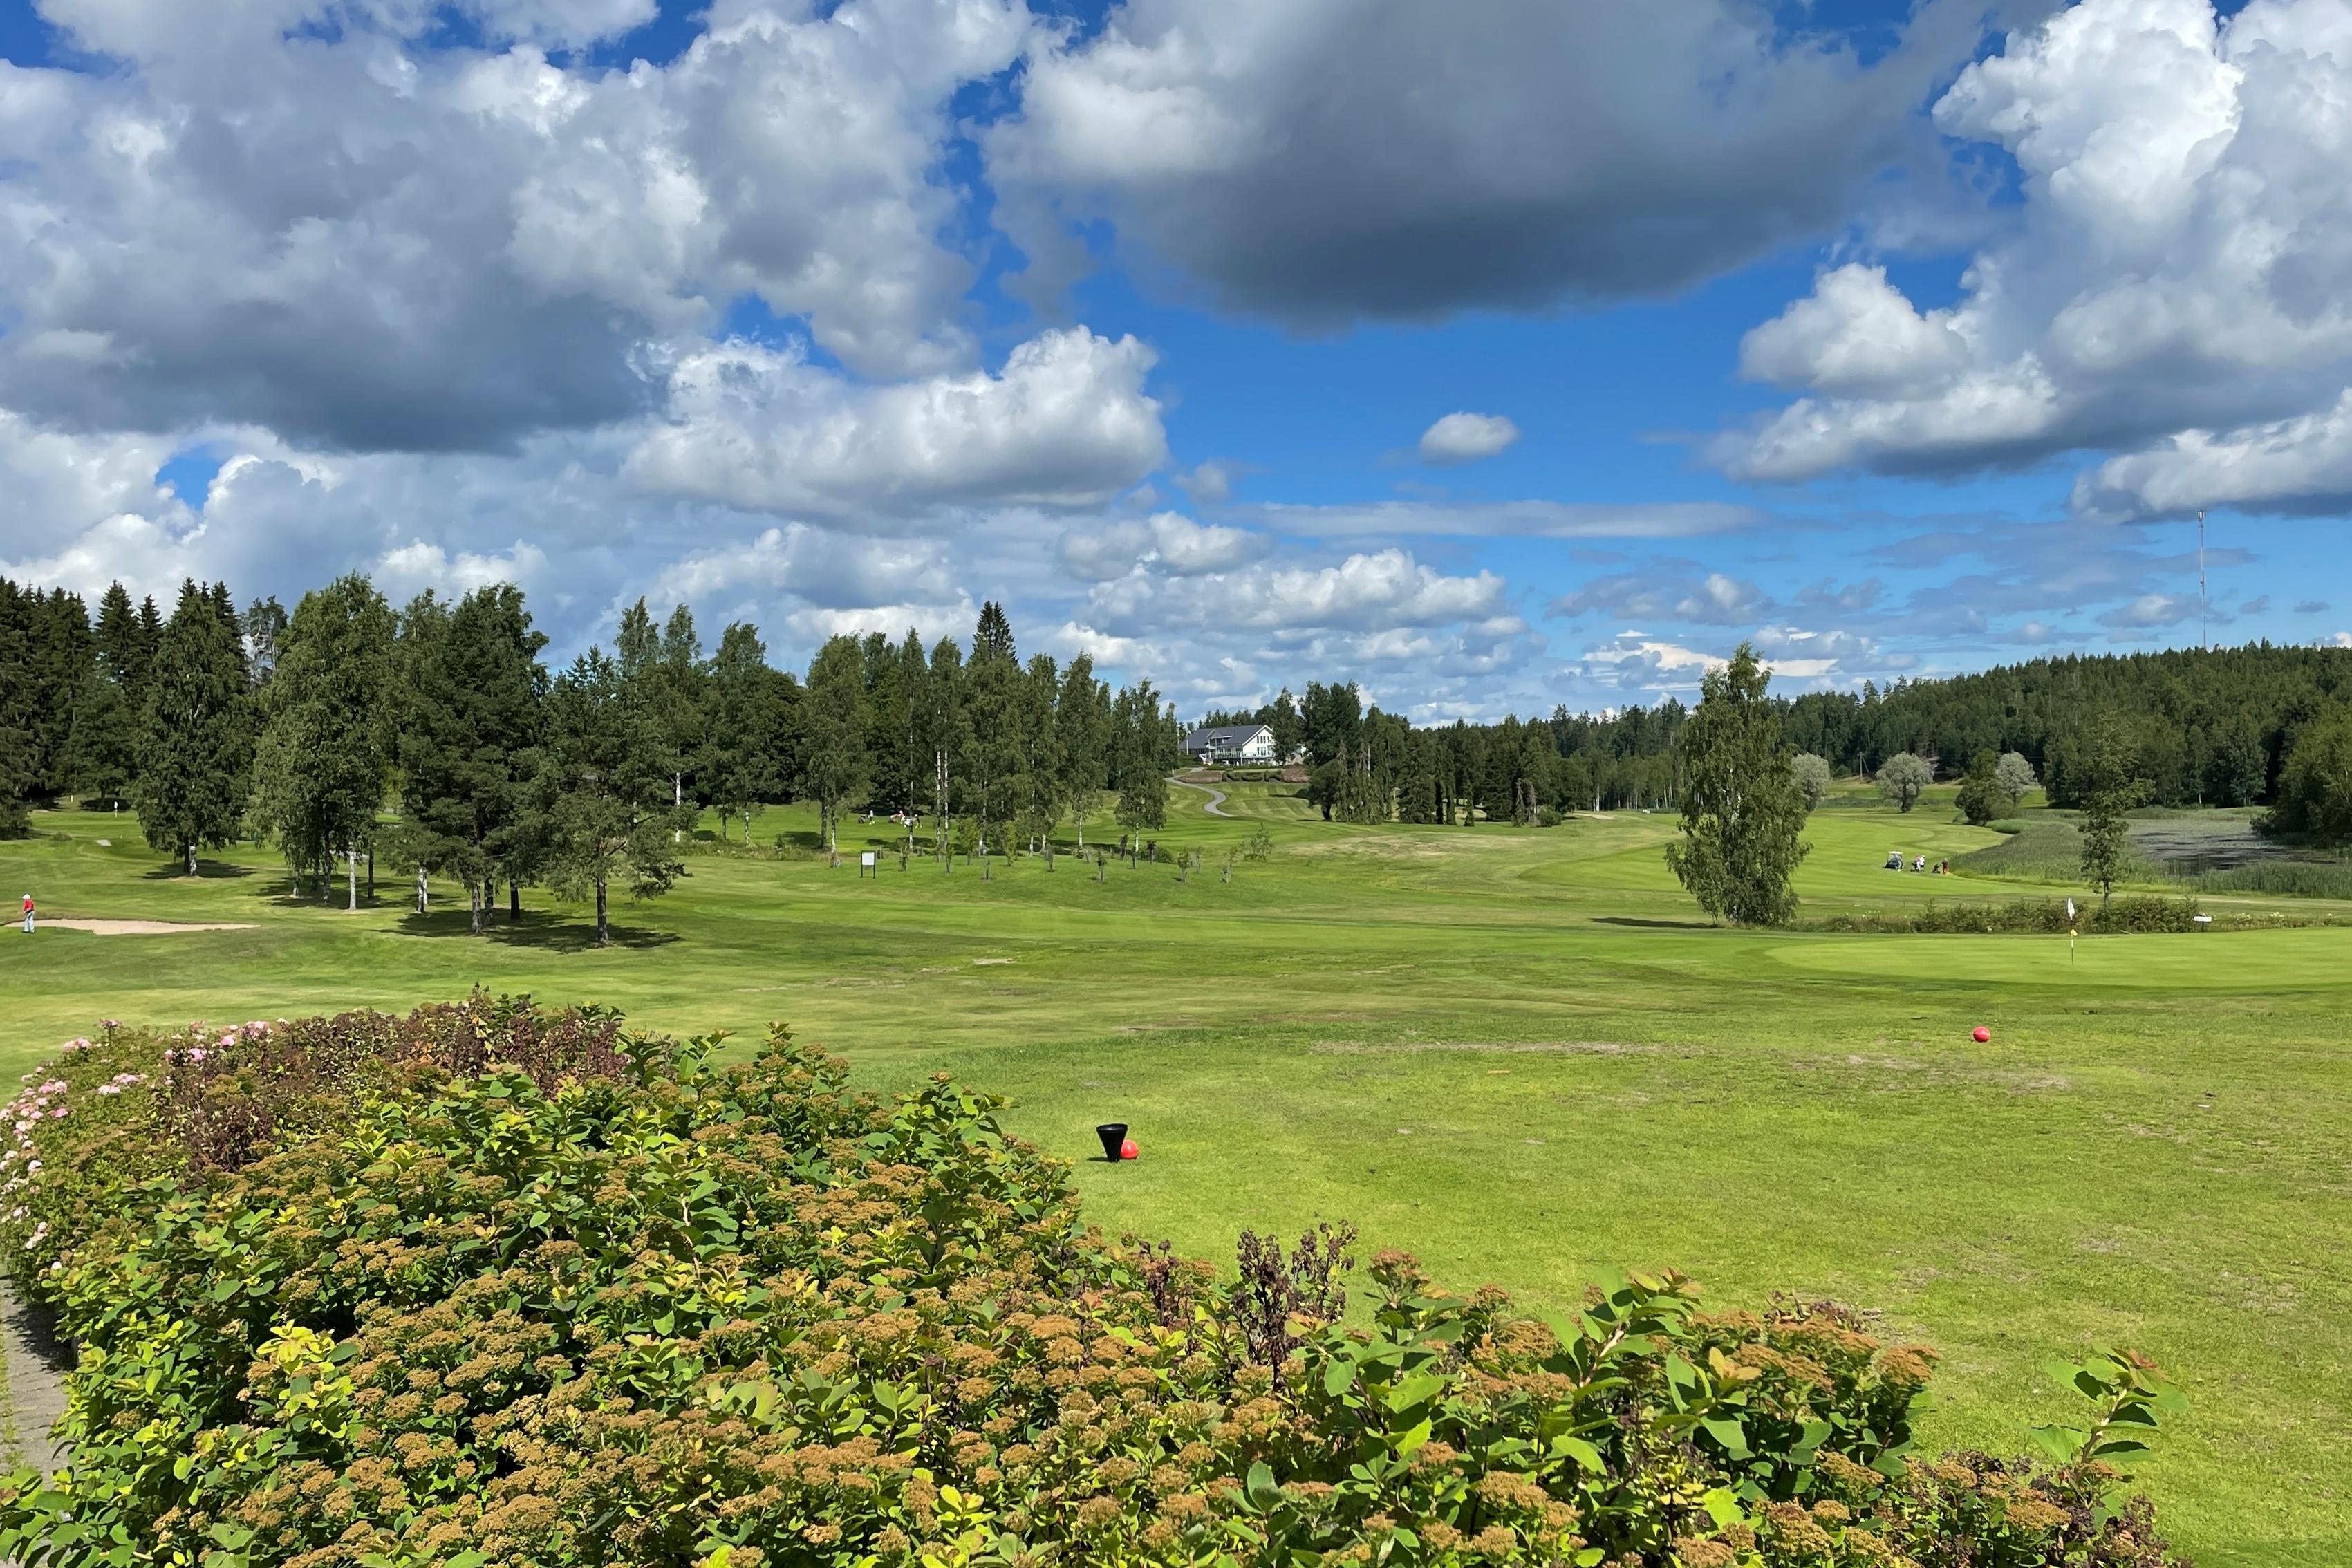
(28, 914)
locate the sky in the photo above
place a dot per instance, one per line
(1493, 355)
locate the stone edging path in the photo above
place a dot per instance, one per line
(37, 1382)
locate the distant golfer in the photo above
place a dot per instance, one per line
(28, 914)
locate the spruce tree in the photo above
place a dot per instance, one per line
(682, 689)
(63, 653)
(102, 751)
(1742, 807)
(1139, 766)
(743, 718)
(147, 635)
(833, 761)
(991, 764)
(470, 719)
(610, 817)
(993, 636)
(1041, 752)
(197, 761)
(18, 698)
(1081, 726)
(321, 761)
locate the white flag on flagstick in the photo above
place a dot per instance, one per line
(2069, 911)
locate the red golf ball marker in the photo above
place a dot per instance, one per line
(1983, 1034)
(1127, 1150)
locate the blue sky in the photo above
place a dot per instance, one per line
(1897, 339)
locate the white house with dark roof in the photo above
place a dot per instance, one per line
(1221, 743)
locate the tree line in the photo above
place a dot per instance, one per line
(177, 716)
(2198, 727)
(436, 734)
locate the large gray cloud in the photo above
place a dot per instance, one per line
(295, 213)
(1322, 160)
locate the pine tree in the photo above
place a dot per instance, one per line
(197, 761)
(1742, 807)
(321, 762)
(471, 700)
(610, 817)
(832, 732)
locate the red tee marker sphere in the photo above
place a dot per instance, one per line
(1128, 1150)
(1983, 1034)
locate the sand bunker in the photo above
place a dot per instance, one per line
(137, 928)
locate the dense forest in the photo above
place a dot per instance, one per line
(220, 724)
(2211, 727)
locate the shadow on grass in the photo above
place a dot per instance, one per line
(539, 930)
(206, 871)
(1652, 925)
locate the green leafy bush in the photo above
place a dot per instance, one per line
(508, 1289)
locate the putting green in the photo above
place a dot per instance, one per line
(2259, 961)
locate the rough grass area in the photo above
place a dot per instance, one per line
(2201, 852)
(1521, 1053)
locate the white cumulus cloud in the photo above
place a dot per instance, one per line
(1465, 438)
(2176, 288)
(1066, 422)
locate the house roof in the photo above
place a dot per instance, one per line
(1223, 735)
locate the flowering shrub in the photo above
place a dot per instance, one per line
(649, 1309)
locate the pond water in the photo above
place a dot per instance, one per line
(2187, 844)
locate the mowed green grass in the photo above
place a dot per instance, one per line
(1519, 1052)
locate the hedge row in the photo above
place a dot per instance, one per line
(490, 1287)
(2122, 916)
